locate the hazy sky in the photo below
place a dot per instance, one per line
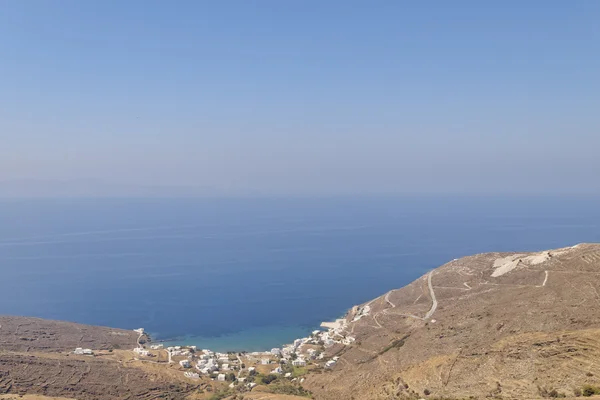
(302, 97)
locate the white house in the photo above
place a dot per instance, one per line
(192, 375)
(348, 340)
(265, 361)
(141, 351)
(251, 369)
(276, 352)
(299, 362)
(277, 370)
(185, 363)
(251, 385)
(221, 377)
(86, 352)
(288, 375)
(329, 364)
(225, 367)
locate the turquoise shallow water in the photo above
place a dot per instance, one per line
(254, 339)
(252, 274)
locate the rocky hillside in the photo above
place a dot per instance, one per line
(513, 325)
(36, 359)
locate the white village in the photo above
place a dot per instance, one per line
(241, 369)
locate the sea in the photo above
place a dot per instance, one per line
(233, 274)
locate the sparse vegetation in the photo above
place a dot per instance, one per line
(220, 395)
(286, 387)
(550, 393)
(589, 390)
(266, 379)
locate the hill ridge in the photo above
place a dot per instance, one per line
(482, 300)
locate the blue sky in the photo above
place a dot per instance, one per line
(302, 97)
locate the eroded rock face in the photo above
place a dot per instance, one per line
(495, 324)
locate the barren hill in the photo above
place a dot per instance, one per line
(516, 325)
(36, 359)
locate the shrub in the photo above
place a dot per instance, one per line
(269, 378)
(589, 390)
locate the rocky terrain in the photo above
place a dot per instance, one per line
(510, 325)
(36, 359)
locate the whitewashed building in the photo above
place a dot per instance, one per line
(86, 352)
(277, 370)
(299, 362)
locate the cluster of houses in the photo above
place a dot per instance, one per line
(227, 367)
(141, 352)
(211, 363)
(180, 351)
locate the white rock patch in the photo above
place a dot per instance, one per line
(505, 265)
(538, 258)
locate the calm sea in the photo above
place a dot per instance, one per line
(251, 274)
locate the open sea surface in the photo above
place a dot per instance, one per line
(251, 274)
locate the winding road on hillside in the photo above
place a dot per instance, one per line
(433, 299)
(434, 304)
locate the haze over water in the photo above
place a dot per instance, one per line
(250, 274)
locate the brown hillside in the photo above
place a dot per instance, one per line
(513, 325)
(36, 359)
